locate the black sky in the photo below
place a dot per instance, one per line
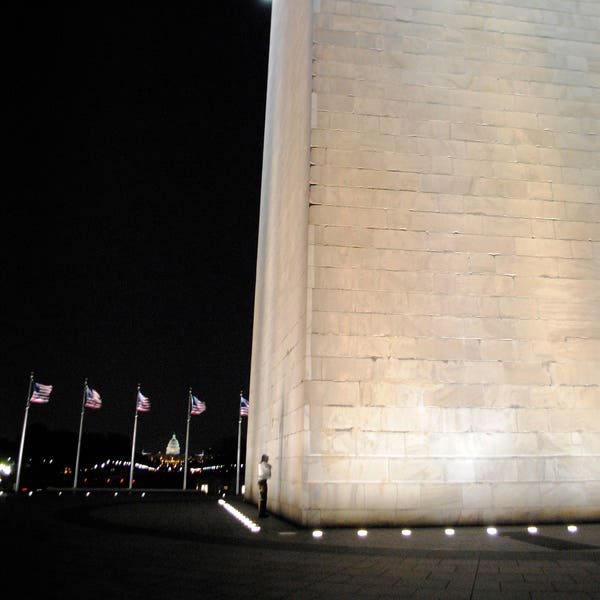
(130, 225)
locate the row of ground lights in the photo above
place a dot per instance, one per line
(449, 531)
(318, 533)
(242, 518)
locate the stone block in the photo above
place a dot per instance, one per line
(563, 495)
(535, 469)
(516, 495)
(579, 373)
(493, 471)
(346, 418)
(574, 420)
(415, 470)
(442, 497)
(323, 393)
(342, 496)
(457, 470)
(501, 350)
(453, 396)
(532, 420)
(333, 442)
(577, 468)
(380, 393)
(344, 469)
(379, 443)
(476, 495)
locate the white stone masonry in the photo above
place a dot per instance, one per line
(427, 327)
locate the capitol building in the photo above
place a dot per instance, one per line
(171, 458)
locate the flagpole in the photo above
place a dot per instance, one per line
(20, 459)
(187, 437)
(237, 477)
(134, 436)
(79, 440)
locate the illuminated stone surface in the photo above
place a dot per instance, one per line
(427, 320)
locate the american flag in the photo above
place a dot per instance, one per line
(92, 398)
(41, 393)
(244, 407)
(143, 404)
(198, 407)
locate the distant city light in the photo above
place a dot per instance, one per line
(362, 533)
(449, 531)
(532, 529)
(406, 532)
(492, 531)
(317, 534)
(572, 528)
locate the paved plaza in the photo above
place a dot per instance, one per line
(178, 546)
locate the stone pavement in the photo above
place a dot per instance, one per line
(156, 544)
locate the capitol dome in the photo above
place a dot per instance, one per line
(173, 447)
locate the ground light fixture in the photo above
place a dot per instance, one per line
(317, 534)
(532, 529)
(406, 532)
(572, 528)
(449, 531)
(362, 533)
(251, 525)
(492, 531)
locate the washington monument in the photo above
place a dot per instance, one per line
(426, 344)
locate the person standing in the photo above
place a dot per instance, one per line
(264, 474)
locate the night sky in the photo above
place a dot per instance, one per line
(130, 225)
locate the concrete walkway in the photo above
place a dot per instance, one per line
(178, 546)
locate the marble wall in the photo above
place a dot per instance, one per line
(427, 320)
